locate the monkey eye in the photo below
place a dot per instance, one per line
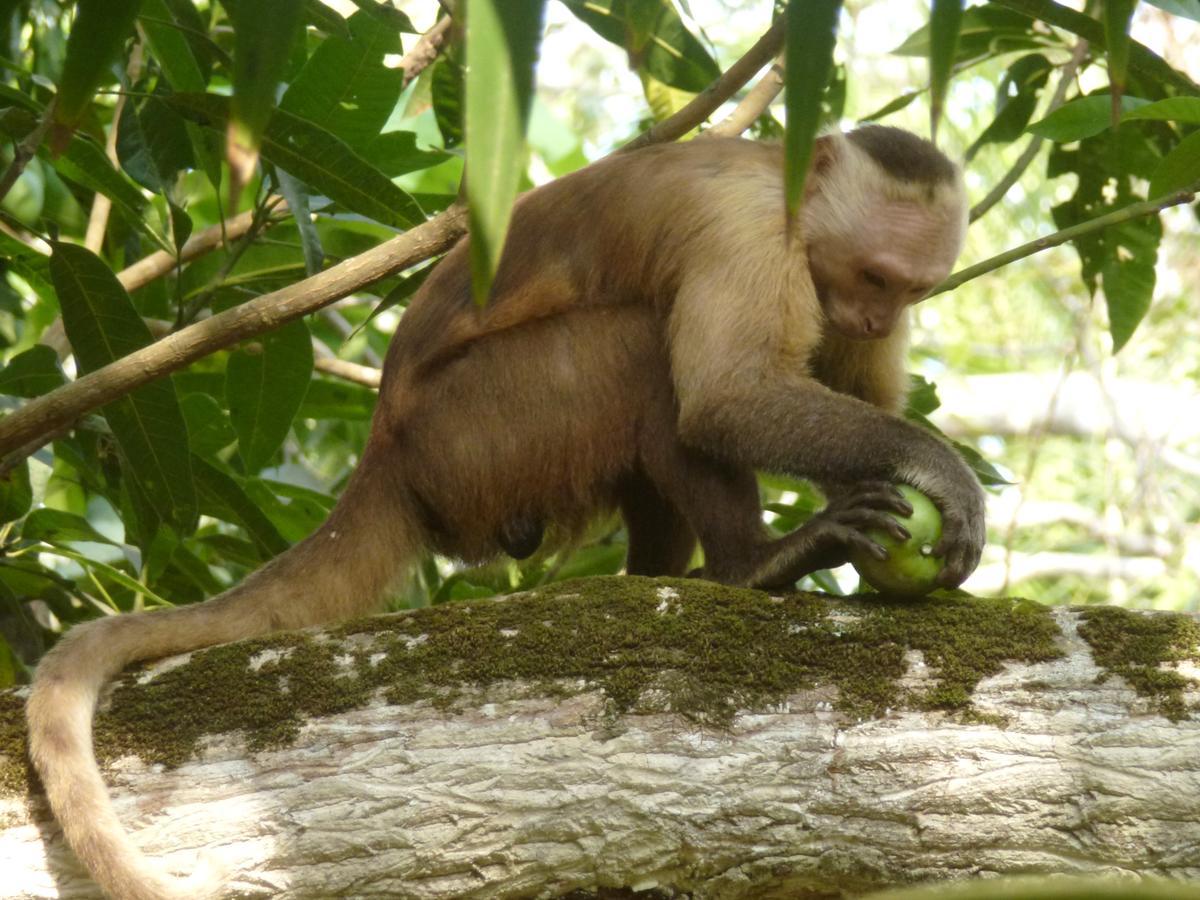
(873, 278)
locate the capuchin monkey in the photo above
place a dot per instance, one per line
(654, 335)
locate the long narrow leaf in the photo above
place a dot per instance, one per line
(149, 427)
(1117, 14)
(1179, 169)
(944, 22)
(811, 36)
(263, 35)
(97, 34)
(502, 45)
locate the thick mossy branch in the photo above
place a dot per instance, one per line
(1137, 646)
(688, 647)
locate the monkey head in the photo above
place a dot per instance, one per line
(883, 222)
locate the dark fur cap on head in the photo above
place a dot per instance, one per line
(903, 155)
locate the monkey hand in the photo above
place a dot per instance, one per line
(964, 530)
(827, 539)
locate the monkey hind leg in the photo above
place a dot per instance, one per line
(661, 542)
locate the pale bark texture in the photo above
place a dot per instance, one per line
(1057, 765)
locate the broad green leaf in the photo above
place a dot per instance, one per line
(1082, 118)
(945, 19)
(396, 153)
(1128, 275)
(447, 90)
(149, 428)
(655, 37)
(16, 493)
(1117, 14)
(386, 13)
(263, 34)
(502, 46)
(345, 87)
(32, 373)
(319, 159)
(328, 398)
(264, 388)
(208, 426)
(152, 144)
(1016, 99)
(168, 27)
(1179, 169)
(53, 526)
(223, 497)
(811, 36)
(295, 520)
(1173, 109)
(99, 30)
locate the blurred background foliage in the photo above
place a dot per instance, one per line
(175, 492)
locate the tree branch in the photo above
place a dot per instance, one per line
(706, 102)
(1035, 143)
(1126, 214)
(60, 407)
(425, 51)
(26, 150)
(753, 105)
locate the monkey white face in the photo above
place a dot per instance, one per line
(876, 245)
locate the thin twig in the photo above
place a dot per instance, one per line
(753, 105)
(101, 205)
(1125, 214)
(1025, 160)
(26, 150)
(425, 51)
(708, 100)
(349, 371)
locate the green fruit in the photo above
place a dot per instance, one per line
(911, 569)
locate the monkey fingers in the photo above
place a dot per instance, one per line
(881, 495)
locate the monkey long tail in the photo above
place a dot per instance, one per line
(340, 571)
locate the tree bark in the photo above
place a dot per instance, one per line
(508, 788)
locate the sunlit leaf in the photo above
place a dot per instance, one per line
(1173, 109)
(55, 526)
(811, 37)
(502, 44)
(1081, 118)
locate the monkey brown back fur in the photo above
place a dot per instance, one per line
(653, 336)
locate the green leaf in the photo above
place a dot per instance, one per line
(167, 27)
(317, 158)
(1117, 14)
(1016, 99)
(152, 144)
(396, 153)
(345, 87)
(1128, 275)
(321, 17)
(16, 493)
(1179, 169)
(97, 34)
(328, 398)
(811, 37)
(502, 45)
(945, 19)
(984, 32)
(264, 388)
(53, 526)
(1082, 118)
(406, 288)
(388, 15)
(654, 36)
(110, 572)
(1173, 109)
(447, 89)
(149, 428)
(892, 106)
(263, 34)
(209, 430)
(223, 497)
(32, 373)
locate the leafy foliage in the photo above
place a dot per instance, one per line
(177, 490)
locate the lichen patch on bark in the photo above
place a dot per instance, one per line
(688, 647)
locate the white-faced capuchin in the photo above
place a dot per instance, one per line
(653, 337)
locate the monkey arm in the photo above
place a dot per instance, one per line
(741, 343)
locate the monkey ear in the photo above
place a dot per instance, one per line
(825, 154)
